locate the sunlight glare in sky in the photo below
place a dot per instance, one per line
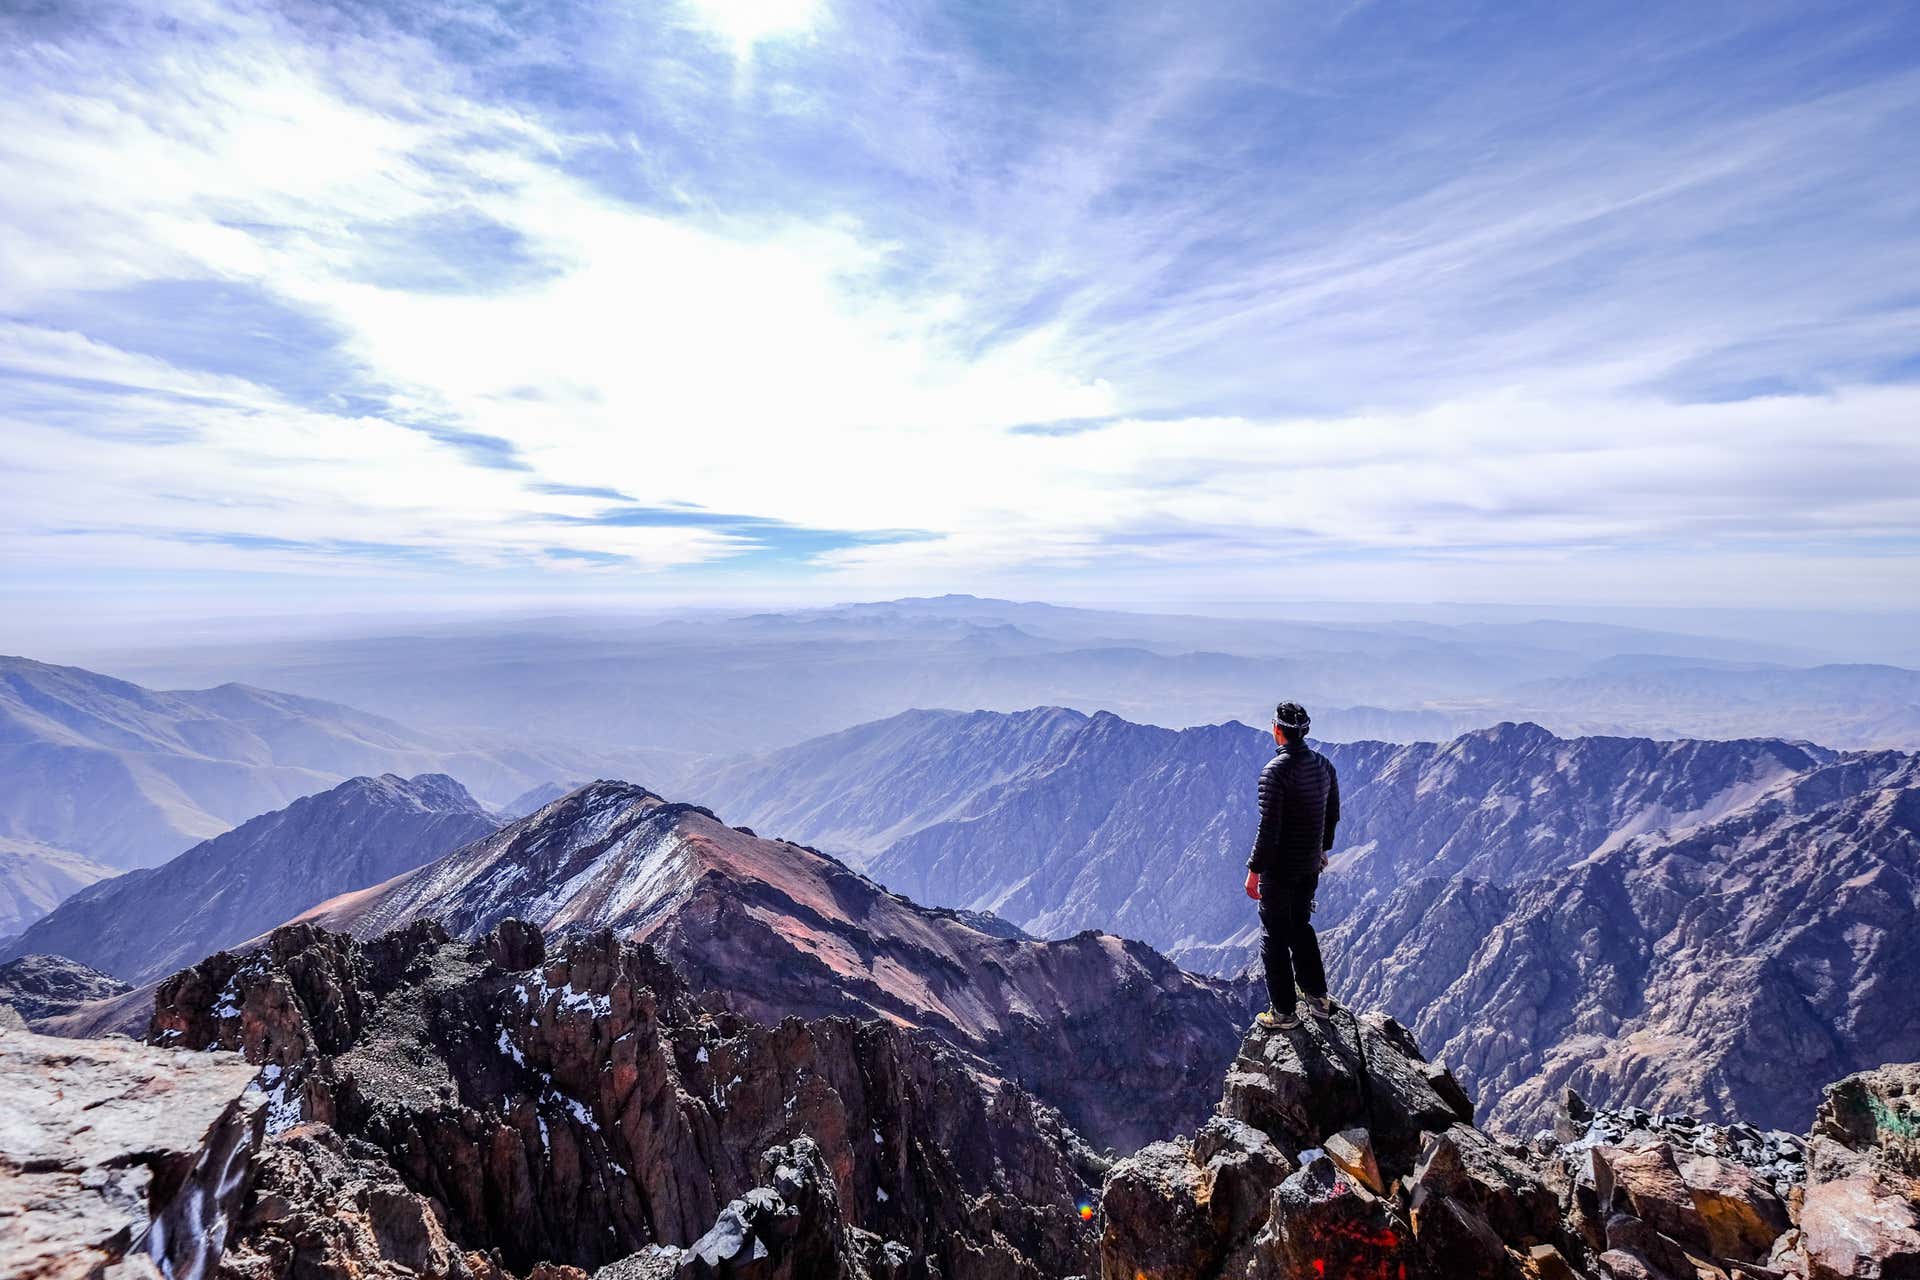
(745, 23)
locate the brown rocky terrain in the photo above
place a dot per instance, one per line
(1339, 1151)
(474, 1109)
(1123, 1042)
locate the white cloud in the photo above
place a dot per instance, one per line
(794, 368)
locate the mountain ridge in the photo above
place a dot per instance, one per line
(144, 924)
(1115, 1035)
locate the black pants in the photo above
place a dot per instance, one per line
(1288, 943)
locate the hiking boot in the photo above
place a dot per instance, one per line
(1274, 1020)
(1320, 1006)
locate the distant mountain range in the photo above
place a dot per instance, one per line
(1109, 1031)
(1720, 968)
(1517, 896)
(34, 877)
(1061, 821)
(98, 775)
(145, 924)
(717, 683)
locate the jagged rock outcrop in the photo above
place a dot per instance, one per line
(500, 1104)
(1122, 1041)
(1861, 1215)
(1340, 1151)
(41, 987)
(145, 924)
(116, 1154)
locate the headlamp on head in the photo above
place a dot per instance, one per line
(1292, 717)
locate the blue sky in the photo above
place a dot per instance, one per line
(713, 299)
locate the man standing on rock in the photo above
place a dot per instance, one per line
(1299, 808)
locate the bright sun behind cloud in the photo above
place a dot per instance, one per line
(745, 23)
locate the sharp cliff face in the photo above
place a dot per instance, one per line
(145, 924)
(1122, 1041)
(1724, 970)
(1061, 822)
(467, 1109)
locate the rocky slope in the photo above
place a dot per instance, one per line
(128, 776)
(1060, 821)
(1122, 1041)
(480, 1109)
(145, 924)
(1725, 969)
(1339, 1151)
(38, 987)
(35, 878)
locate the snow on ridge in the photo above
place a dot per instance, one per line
(283, 1113)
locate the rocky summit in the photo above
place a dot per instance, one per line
(484, 1109)
(1339, 1150)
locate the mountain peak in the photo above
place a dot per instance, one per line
(784, 929)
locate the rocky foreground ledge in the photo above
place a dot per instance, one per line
(325, 1108)
(1339, 1151)
(120, 1159)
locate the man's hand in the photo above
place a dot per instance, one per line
(1325, 858)
(1253, 885)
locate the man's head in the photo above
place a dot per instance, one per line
(1290, 723)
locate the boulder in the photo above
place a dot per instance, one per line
(1545, 1262)
(1155, 1219)
(1876, 1113)
(1324, 1223)
(114, 1152)
(1464, 1165)
(1860, 1228)
(1352, 1151)
(1645, 1182)
(1739, 1212)
(1240, 1167)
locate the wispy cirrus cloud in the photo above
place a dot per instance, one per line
(1256, 301)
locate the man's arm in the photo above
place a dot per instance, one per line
(1333, 805)
(1271, 802)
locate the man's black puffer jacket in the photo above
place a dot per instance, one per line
(1299, 808)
